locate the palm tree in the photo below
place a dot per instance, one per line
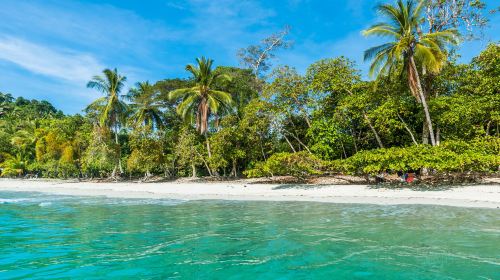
(145, 105)
(408, 47)
(202, 100)
(111, 108)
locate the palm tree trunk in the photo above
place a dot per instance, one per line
(414, 75)
(119, 151)
(425, 132)
(203, 115)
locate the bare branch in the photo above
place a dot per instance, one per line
(464, 15)
(257, 57)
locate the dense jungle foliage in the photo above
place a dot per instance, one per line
(422, 111)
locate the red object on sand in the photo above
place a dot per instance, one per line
(410, 178)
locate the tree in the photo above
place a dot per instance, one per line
(145, 106)
(257, 57)
(338, 78)
(146, 154)
(463, 15)
(408, 47)
(111, 108)
(243, 86)
(202, 100)
(289, 91)
(5, 103)
(102, 153)
(186, 150)
(470, 106)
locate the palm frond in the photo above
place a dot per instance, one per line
(382, 29)
(374, 51)
(184, 107)
(428, 58)
(213, 104)
(180, 93)
(221, 96)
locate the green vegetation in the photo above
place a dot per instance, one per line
(424, 112)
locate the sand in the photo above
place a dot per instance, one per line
(482, 196)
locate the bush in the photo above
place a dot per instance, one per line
(451, 157)
(298, 165)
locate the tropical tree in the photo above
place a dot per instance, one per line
(145, 105)
(408, 47)
(202, 100)
(5, 102)
(111, 108)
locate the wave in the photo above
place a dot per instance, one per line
(46, 200)
(14, 200)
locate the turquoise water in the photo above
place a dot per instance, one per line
(43, 236)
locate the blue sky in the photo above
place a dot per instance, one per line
(49, 49)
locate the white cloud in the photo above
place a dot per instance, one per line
(100, 28)
(63, 64)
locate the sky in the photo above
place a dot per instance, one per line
(50, 49)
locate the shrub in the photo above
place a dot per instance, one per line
(451, 157)
(298, 165)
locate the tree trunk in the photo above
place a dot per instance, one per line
(290, 144)
(408, 129)
(488, 128)
(438, 136)
(113, 174)
(193, 167)
(298, 140)
(209, 151)
(353, 134)
(208, 168)
(415, 81)
(203, 116)
(343, 149)
(234, 171)
(425, 132)
(262, 148)
(377, 137)
(306, 117)
(119, 152)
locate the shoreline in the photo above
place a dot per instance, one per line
(476, 196)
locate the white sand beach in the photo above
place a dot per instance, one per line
(483, 196)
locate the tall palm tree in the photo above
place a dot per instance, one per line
(202, 100)
(111, 108)
(408, 47)
(145, 105)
